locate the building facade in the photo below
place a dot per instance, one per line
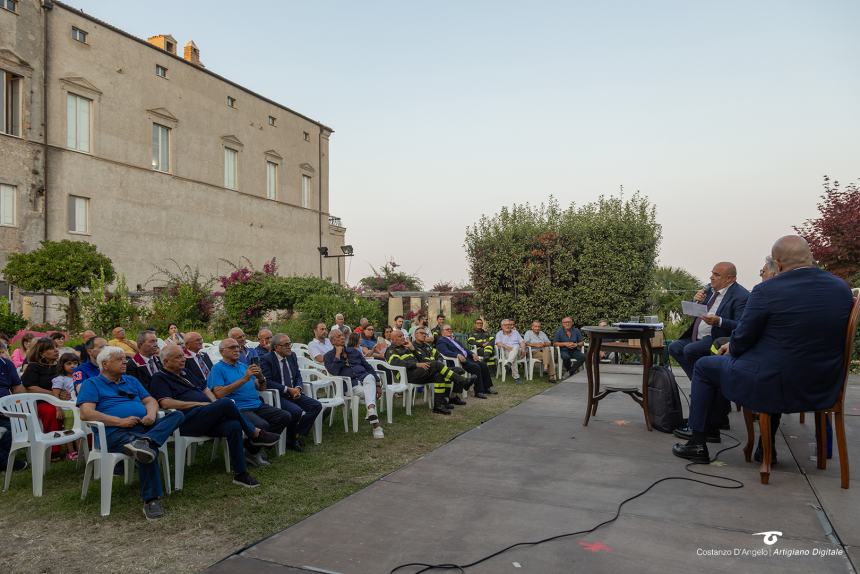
(126, 143)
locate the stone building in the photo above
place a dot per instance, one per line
(145, 152)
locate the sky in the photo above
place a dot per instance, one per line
(726, 115)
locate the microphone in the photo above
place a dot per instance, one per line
(708, 292)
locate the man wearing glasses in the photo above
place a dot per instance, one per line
(448, 346)
(129, 414)
(281, 370)
(234, 379)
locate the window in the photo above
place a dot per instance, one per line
(7, 205)
(78, 111)
(79, 35)
(11, 5)
(10, 100)
(272, 120)
(160, 71)
(231, 159)
(306, 191)
(231, 102)
(307, 136)
(271, 180)
(160, 148)
(79, 217)
(170, 47)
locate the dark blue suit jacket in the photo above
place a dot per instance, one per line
(447, 348)
(787, 351)
(193, 369)
(730, 311)
(272, 372)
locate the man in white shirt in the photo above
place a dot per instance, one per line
(398, 324)
(320, 345)
(512, 345)
(541, 348)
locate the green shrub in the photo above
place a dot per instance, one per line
(324, 307)
(10, 323)
(186, 299)
(102, 310)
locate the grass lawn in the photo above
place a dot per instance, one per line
(211, 518)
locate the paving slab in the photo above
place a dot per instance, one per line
(535, 472)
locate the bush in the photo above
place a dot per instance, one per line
(102, 310)
(544, 263)
(463, 323)
(10, 323)
(186, 299)
(324, 307)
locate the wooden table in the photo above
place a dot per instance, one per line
(592, 367)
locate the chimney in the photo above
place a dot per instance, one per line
(164, 41)
(192, 54)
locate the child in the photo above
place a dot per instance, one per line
(63, 383)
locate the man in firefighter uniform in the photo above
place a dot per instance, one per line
(484, 343)
(422, 367)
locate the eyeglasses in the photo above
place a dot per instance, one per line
(232, 347)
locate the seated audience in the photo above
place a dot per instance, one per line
(436, 331)
(10, 383)
(197, 364)
(38, 378)
(246, 353)
(174, 336)
(85, 336)
(541, 347)
(420, 322)
(512, 345)
(367, 342)
(281, 370)
(119, 340)
(339, 324)
(132, 426)
(19, 355)
(769, 269)
(484, 344)
(89, 368)
(447, 345)
(398, 324)
(264, 338)
(204, 415)
(343, 361)
(569, 339)
(320, 345)
(362, 323)
(59, 339)
(382, 345)
(146, 359)
(235, 380)
(784, 356)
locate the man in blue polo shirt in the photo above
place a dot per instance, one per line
(569, 339)
(204, 414)
(10, 383)
(129, 414)
(88, 368)
(235, 380)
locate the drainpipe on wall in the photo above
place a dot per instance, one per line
(319, 199)
(47, 6)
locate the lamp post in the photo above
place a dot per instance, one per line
(347, 252)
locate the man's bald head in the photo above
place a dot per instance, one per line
(791, 252)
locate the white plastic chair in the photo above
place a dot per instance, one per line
(501, 361)
(214, 353)
(531, 360)
(313, 380)
(272, 398)
(27, 433)
(391, 388)
(102, 461)
(183, 450)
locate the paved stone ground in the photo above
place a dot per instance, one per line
(535, 471)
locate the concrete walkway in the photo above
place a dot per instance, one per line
(535, 472)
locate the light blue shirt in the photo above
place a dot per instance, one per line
(222, 374)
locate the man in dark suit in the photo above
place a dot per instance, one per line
(146, 359)
(198, 364)
(448, 346)
(281, 369)
(785, 355)
(725, 301)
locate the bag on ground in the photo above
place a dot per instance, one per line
(664, 400)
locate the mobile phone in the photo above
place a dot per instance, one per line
(254, 360)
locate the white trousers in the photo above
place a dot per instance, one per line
(368, 385)
(511, 356)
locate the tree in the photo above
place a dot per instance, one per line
(546, 262)
(103, 309)
(671, 286)
(62, 268)
(389, 279)
(835, 236)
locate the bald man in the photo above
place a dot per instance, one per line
(786, 353)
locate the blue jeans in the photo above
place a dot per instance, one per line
(304, 411)
(157, 435)
(222, 418)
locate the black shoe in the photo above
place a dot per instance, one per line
(692, 452)
(480, 396)
(441, 410)
(491, 391)
(456, 401)
(759, 454)
(17, 465)
(686, 433)
(295, 445)
(139, 450)
(246, 480)
(153, 510)
(265, 438)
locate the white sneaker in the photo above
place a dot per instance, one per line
(378, 433)
(256, 460)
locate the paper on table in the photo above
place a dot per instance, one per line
(693, 309)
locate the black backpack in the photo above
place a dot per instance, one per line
(664, 401)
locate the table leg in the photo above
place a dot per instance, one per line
(645, 345)
(596, 363)
(591, 372)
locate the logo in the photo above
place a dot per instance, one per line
(770, 537)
